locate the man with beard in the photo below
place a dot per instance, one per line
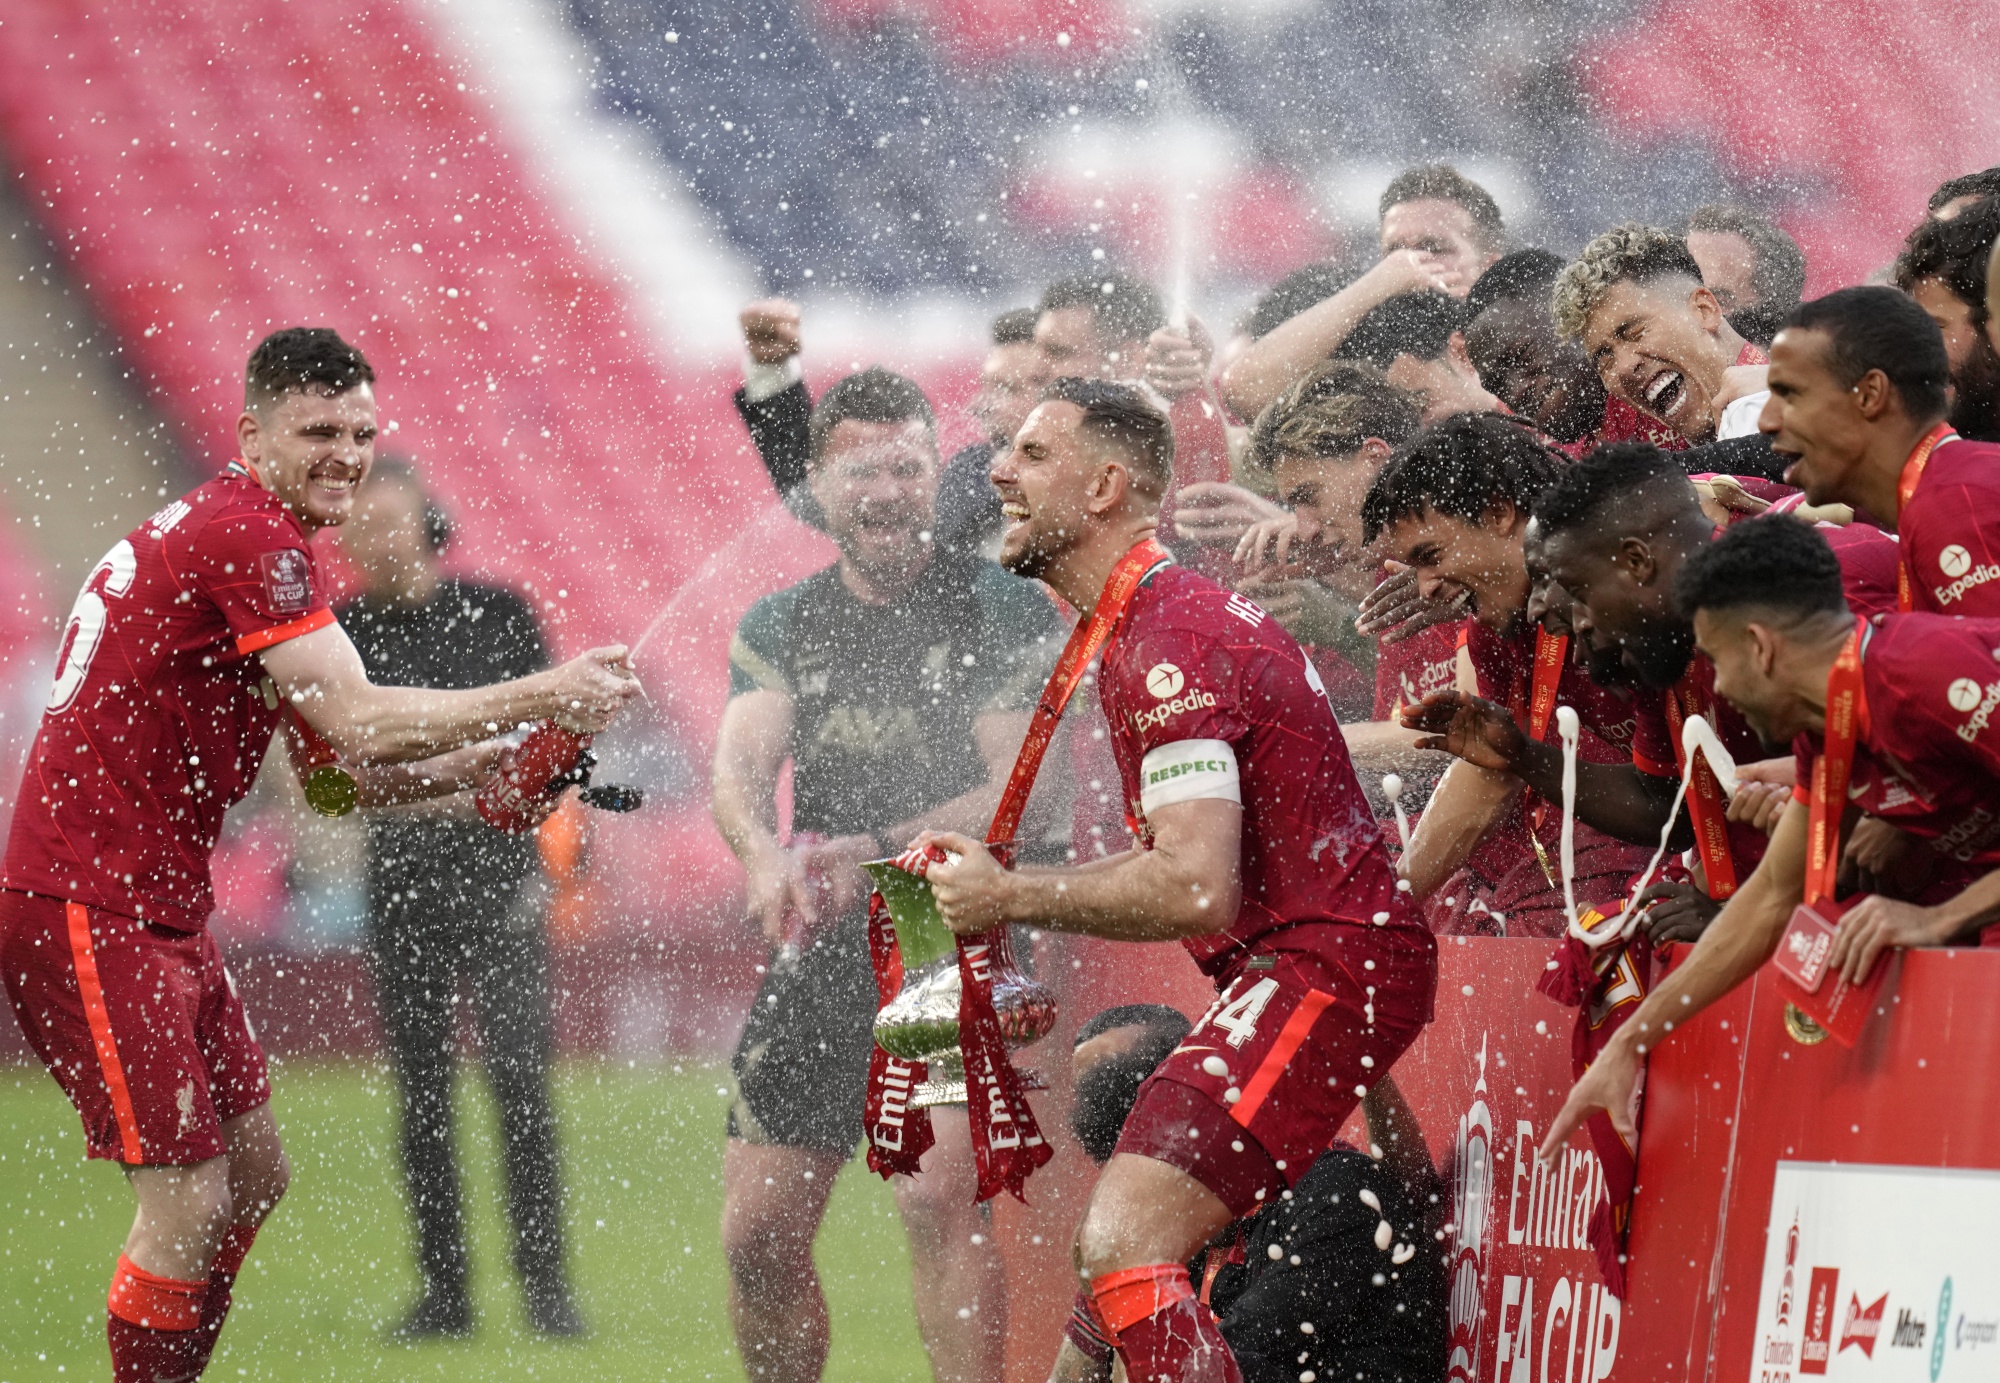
(1614, 530)
(1303, 1285)
(1888, 716)
(1255, 848)
(1453, 505)
(1858, 407)
(1756, 271)
(1943, 266)
(777, 412)
(898, 683)
(1659, 339)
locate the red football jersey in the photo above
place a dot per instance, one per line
(1950, 532)
(1409, 671)
(160, 716)
(1927, 755)
(1194, 666)
(1504, 665)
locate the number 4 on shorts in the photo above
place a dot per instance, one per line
(1238, 1017)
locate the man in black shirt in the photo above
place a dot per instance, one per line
(449, 900)
(899, 683)
(1341, 1278)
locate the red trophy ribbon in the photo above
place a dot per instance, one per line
(1007, 1143)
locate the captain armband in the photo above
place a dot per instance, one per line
(1187, 769)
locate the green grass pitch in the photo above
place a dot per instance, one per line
(643, 1155)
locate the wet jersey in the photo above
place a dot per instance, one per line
(1950, 532)
(1868, 574)
(1927, 751)
(1505, 664)
(1208, 697)
(160, 713)
(1409, 671)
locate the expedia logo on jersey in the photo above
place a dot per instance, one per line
(287, 581)
(1956, 564)
(1967, 695)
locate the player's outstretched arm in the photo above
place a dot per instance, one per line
(1743, 936)
(1616, 799)
(322, 675)
(1189, 884)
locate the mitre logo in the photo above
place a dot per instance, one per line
(1954, 561)
(1165, 680)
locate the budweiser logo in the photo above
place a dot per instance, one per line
(1861, 1327)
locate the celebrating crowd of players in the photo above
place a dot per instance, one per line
(1413, 509)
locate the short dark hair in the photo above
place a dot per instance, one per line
(1124, 417)
(1777, 264)
(1158, 1017)
(1629, 253)
(303, 360)
(1955, 253)
(1984, 183)
(1440, 182)
(1125, 307)
(1418, 324)
(1586, 488)
(1105, 1095)
(1331, 412)
(1878, 328)
(1463, 466)
(1294, 293)
(395, 470)
(1776, 562)
(1524, 274)
(874, 395)
(1015, 327)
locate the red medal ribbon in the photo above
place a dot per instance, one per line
(1007, 1144)
(1906, 486)
(1550, 650)
(1705, 801)
(1846, 709)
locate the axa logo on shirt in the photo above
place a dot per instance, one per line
(1958, 569)
(1966, 695)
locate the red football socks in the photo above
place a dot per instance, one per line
(1163, 1333)
(221, 1279)
(152, 1325)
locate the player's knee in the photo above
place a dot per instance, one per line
(936, 1212)
(763, 1244)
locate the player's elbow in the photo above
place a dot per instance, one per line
(1206, 906)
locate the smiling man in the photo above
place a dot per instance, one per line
(1943, 266)
(1255, 850)
(1659, 338)
(1858, 408)
(1453, 505)
(197, 635)
(1919, 748)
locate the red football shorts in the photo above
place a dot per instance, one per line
(138, 1023)
(1264, 1081)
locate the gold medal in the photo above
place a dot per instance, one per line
(1803, 1030)
(331, 790)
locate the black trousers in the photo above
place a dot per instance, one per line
(435, 929)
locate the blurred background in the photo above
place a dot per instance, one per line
(538, 217)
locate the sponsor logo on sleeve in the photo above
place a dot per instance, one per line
(1169, 684)
(287, 581)
(1962, 573)
(1164, 681)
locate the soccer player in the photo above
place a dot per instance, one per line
(1613, 530)
(1453, 504)
(197, 635)
(1256, 850)
(898, 682)
(1323, 1303)
(1858, 405)
(1756, 271)
(1414, 339)
(1438, 230)
(1943, 266)
(1923, 751)
(1659, 338)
